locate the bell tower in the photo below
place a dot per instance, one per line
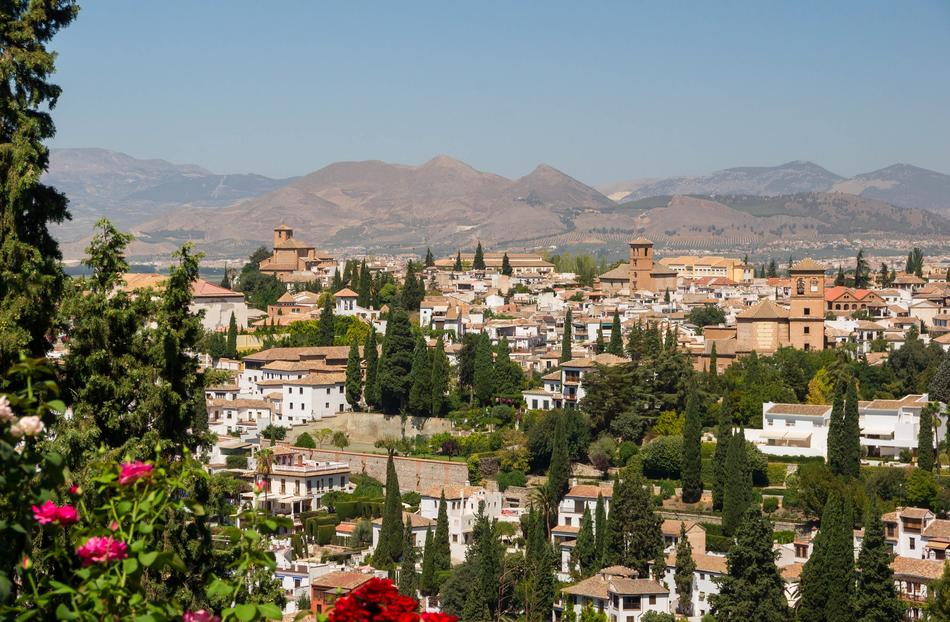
(806, 316)
(641, 264)
(282, 233)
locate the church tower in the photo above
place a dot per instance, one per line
(641, 265)
(806, 316)
(282, 233)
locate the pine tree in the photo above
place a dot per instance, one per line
(31, 277)
(232, 337)
(567, 336)
(427, 582)
(633, 528)
(851, 432)
(457, 266)
(389, 548)
(395, 364)
(723, 439)
(615, 346)
(925, 438)
(840, 279)
(371, 354)
(484, 371)
(442, 557)
(773, 269)
(692, 481)
(420, 377)
(478, 263)
(485, 556)
(599, 346)
(326, 329)
(354, 376)
(713, 365)
(683, 573)
(737, 489)
(600, 530)
(827, 583)
(584, 555)
(408, 580)
(559, 469)
(429, 260)
(440, 378)
(753, 589)
(506, 265)
(875, 596)
(836, 441)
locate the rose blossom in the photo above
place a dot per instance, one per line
(27, 426)
(133, 471)
(378, 600)
(102, 549)
(50, 513)
(6, 413)
(260, 486)
(202, 615)
(74, 489)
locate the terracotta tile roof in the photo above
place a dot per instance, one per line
(341, 581)
(808, 410)
(792, 572)
(938, 528)
(452, 492)
(640, 240)
(415, 520)
(620, 571)
(765, 310)
(808, 265)
(704, 563)
(346, 292)
(926, 569)
(571, 529)
(671, 527)
(616, 580)
(624, 586)
(620, 273)
(590, 491)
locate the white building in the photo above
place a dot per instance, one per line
(616, 592)
(461, 507)
(296, 484)
(420, 525)
(564, 389)
(708, 569)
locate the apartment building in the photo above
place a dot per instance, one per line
(462, 504)
(296, 483)
(617, 592)
(566, 390)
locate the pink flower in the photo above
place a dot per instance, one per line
(131, 472)
(6, 413)
(50, 513)
(201, 615)
(74, 489)
(113, 526)
(27, 426)
(260, 486)
(102, 549)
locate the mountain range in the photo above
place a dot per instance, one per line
(447, 204)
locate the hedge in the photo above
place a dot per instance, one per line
(325, 534)
(776, 473)
(359, 508)
(718, 544)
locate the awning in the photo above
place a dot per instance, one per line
(791, 435)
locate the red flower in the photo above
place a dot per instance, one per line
(131, 472)
(438, 617)
(378, 600)
(74, 489)
(201, 615)
(50, 513)
(102, 549)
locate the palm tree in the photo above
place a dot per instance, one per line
(265, 460)
(543, 497)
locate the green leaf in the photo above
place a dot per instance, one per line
(176, 563)
(130, 565)
(63, 613)
(270, 611)
(245, 613)
(56, 406)
(145, 617)
(148, 558)
(217, 588)
(54, 459)
(124, 506)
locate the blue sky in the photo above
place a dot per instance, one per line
(604, 91)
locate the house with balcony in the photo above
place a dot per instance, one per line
(617, 592)
(912, 577)
(904, 531)
(296, 483)
(709, 568)
(461, 504)
(565, 389)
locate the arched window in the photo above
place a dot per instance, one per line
(800, 286)
(814, 285)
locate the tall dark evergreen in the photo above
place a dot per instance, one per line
(540, 582)
(232, 337)
(478, 263)
(690, 471)
(836, 434)
(442, 558)
(395, 364)
(371, 354)
(862, 271)
(851, 431)
(389, 549)
(440, 379)
(875, 595)
(633, 528)
(326, 327)
(925, 438)
(466, 363)
(599, 345)
(427, 580)
(429, 260)
(567, 336)
(713, 365)
(507, 373)
(559, 470)
(737, 489)
(354, 376)
(506, 265)
(827, 584)
(484, 370)
(615, 346)
(752, 589)
(584, 554)
(364, 292)
(939, 387)
(840, 278)
(457, 266)
(413, 289)
(600, 528)
(485, 555)
(420, 376)
(723, 438)
(683, 573)
(31, 277)
(408, 578)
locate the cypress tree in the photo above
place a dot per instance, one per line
(337, 283)
(925, 438)
(364, 293)
(723, 437)
(466, 363)
(407, 569)
(442, 557)
(540, 564)
(420, 377)
(427, 582)
(633, 529)
(753, 589)
(484, 370)
(691, 476)
(584, 555)
(566, 338)
(600, 529)
(683, 574)
(478, 263)
(354, 376)
(440, 378)
(851, 433)
(413, 289)
(875, 596)
(507, 374)
(737, 489)
(939, 388)
(827, 583)
(559, 469)
(836, 448)
(371, 354)
(713, 364)
(232, 336)
(430, 260)
(485, 556)
(635, 343)
(325, 325)
(616, 336)
(395, 364)
(506, 265)
(389, 549)
(599, 345)
(457, 266)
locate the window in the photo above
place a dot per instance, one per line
(290, 406)
(631, 603)
(328, 406)
(913, 544)
(652, 599)
(807, 330)
(807, 310)
(300, 391)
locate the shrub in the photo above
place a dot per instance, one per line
(236, 461)
(784, 537)
(306, 441)
(885, 483)
(906, 456)
(325, 534)
(366, 486)
(775, 473)
(662, 457)
(511, 478)
(769, 504)
(626, 451)
(718, 544)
